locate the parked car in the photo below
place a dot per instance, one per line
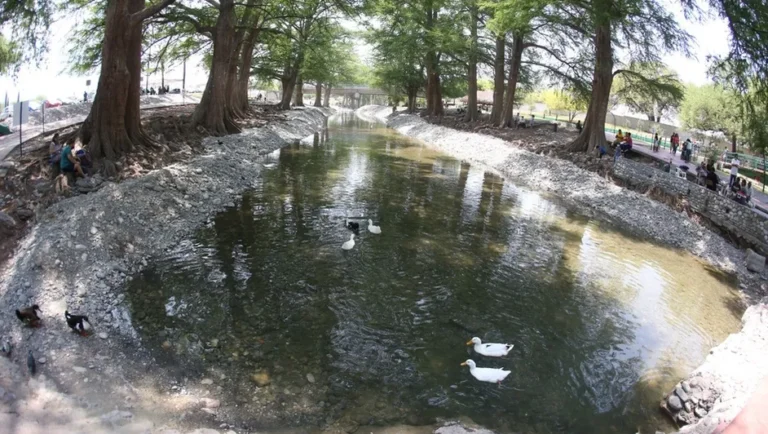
(7, 113)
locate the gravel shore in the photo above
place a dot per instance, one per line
(733, 369)
(78, 257)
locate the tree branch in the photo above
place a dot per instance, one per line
(150, 11)
(213, 3)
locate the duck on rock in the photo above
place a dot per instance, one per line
(78, 323)
(30, 315)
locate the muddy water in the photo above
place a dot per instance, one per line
(603, 323)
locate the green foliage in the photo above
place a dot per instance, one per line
(9, 55)
(648, 88)
(564, 101)
(710, 108)
(484, 84)
(30, 21)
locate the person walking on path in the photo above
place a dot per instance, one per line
(735, 163)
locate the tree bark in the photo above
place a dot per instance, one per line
(514, 76)
(593, 134)
(498, 80)
(299, 101)
(213, 112)
(471, 115)
(412, 100)
(318, 94)
(244, 69)
(327, 96)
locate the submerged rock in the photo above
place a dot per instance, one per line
(261, 378)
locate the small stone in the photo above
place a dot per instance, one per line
(208, 410)
(261, 378)
(94, 231)
(686, 387)
(103, 335)
(42, 360)
(84, 257)
(79, 369)
(674, 403)
(688, 407)
(700, 412)
(755, 262)
(79, 246)
(166, 345)
(210, 402)
(206, 381)
(100, 274)
(681, 393)
(311, 378)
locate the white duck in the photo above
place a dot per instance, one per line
(373, 229)
(489, 375)
(490, 350)
(348, 245)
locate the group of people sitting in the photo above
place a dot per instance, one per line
(67, 158)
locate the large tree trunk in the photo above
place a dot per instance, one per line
(412, 100)
(430, 83)
(105, 130)
(213, 112)
(327, 97)
(299, 101)
(498, 80)
(318, 94)
(514, 75)
(593, 134)
(471, 114)
(244, 70)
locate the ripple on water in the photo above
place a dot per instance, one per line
(603, 323)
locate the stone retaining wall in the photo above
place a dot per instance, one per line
(737, 219)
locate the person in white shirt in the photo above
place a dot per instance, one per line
(735, 163)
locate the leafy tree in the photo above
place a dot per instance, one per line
(484, 84)
(649, 88)
(642, 28)
(564, 101)
(9, 55)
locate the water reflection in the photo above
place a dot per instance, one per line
(602, 323)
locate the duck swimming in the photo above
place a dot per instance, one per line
(78, 323)
(30, 315)
(352, 226)
(373, 229)
(348, 245)
(488, 375)
(490, 350)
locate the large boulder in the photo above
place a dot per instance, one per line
(755, 262)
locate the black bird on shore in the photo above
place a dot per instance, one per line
(30, 315)
(31, 363)
(5, 348)
(78, 323)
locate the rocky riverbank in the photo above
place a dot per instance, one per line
(78, 257)
(733, 369)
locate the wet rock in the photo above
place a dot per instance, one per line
(686, 387)
(461, 428)
(674, 403)
(6, 221)
(261, 378)
(117, 417)
(755, 262)
(681, 393)
(210, 402)
(311, 378)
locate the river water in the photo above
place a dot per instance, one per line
(603, 323)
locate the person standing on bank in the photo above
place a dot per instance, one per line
(735, 163)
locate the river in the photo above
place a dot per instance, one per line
(603, 323)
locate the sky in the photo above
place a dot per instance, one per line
(51, 80)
